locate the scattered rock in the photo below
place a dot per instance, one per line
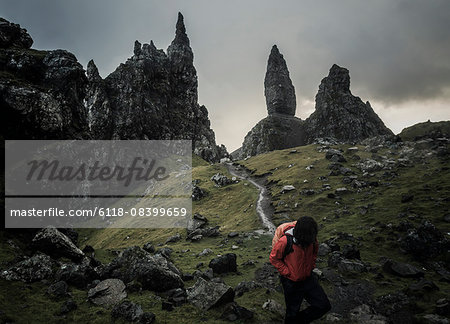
(324, 249)
(234, 312)
(435, 319)
(36, 268)
(246, 286)
(287, 188)
(422, 286)
(206, 294)
(173, 239)
(58, 289)
(54, 243)
(177, 296)
(79, 275)
(128, 311)
(223, 264)
(233, 234)
(198, 193)
(364, 314)
(205, 252)
(350, 251)
(274, 307)
(402, 269)
(148, 247)
(221, 180)
(67, 307)
(107, 293)
(154, 272)
(425, 242)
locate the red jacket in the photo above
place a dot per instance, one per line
(298, 264)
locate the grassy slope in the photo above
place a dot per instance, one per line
(422, 129)
(232, 208)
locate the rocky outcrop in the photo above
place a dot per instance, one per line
(275, 132)
(48, 95)
(153, 95)
(280, 129)
(339, 114)
(41, 92)
(278, 88)
(11, 35)
(153, 272)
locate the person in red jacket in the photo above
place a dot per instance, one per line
(296, 275)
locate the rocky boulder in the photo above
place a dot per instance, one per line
(424, 242)
(154, 272)
(207, 294)
(402, 269)
(131, 312)
(107, 293)
(224, 263)
(36, 268)
(234, 312)
(79, 274)
(54, 243)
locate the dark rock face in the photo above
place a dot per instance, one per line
(278, 88)
(47, 95)
(279, 130)
(11, 35)
(41, 92)
(339, 114)
(152, 96)
(275, 132)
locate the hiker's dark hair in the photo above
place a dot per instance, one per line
(305, 231)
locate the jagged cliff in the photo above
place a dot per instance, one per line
(341, 115)
(151, 96)
(41, 92)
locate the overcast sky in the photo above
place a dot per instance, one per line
(397, 51)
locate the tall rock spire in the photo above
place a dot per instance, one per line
(179, 51)
(180, 33)
(278, 88)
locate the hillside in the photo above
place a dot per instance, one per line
(394, 206)
(424, 130)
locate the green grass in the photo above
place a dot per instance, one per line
(233, 209)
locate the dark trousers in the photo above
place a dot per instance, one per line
(310, 289)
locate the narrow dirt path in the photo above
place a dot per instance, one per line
(263, 207)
